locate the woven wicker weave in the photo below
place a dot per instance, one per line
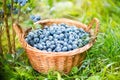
(43, 61)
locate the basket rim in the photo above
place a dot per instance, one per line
(67, 53)
(29, 48)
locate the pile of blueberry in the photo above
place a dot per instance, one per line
(58, 38)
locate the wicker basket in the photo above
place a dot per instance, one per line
(43, 61)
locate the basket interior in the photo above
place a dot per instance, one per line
(68, 22)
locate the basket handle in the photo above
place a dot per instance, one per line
(20, 32)
(18, 29)
(95, 20)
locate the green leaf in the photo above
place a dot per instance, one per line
(94, 78)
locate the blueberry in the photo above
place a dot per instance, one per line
(35, 35)
(61, 42)
(56, 36)
(80, 44)
(32, 17)
(75, 42)
(55, 40)
(69, 47)
(49, 50)
(36, 40)
(52, 42)
(59, 31)
(52, 46)
(22, 2)
(45, 39)
(63, 24)
(48, 43)
(42, 36)
(65, 43)
(38, 18)
(64, 48)
(36, 46)
(16, 1)
(39, 32)
(31, 34)
(66, 35)
(70, 41)
(46, 27)
(76, 37)
(61, 36)
(58, 49)
(65, 39)
(50, 37)
(31, 43)
(77, 31)
(71, 37)
(40, 46)
(74, 46)
(52, 32)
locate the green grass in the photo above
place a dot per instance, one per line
(103, 59)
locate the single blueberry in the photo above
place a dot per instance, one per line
(36, 46)
(56, 36)
(32, 17)
(45, 39)
(65, 43)
(70, 41)
(44, 47)
(48, 43)
(61, 35)
(52, 42)
(41, 36)
(65, 39)
(49, 50)
(40, 46)
(52, 46)
(38, 17)
(43, 44)
(31, 43)
(74, 46)
(31, 34)
(64, 48)
(36, 40)
(35, 36)
(69, 47)
(71, 37)
(58, 49)
(63, 24)
(50, 37)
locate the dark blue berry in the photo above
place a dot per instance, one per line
(64, 48)
(40, 46)
(36, 40)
